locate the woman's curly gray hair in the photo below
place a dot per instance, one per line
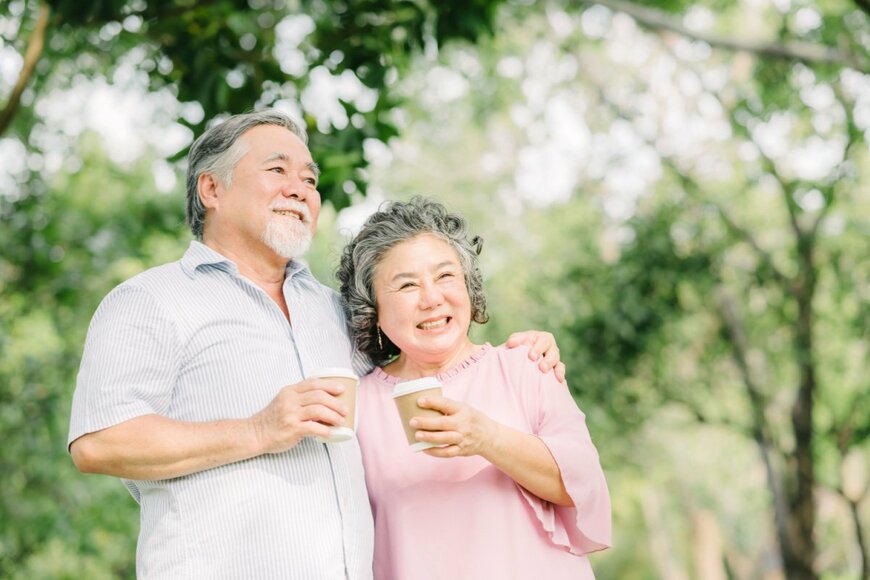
(393, 223)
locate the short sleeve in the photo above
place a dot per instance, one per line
(129, 364)
(557, 421)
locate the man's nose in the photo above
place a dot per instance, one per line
(294, 188)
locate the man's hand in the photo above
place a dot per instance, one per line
(155, 447)
(301, 410)
(542, 345)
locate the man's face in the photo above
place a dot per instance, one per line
(273, 199)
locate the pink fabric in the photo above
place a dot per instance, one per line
(464, 518)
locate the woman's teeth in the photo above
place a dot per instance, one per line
(433, 324)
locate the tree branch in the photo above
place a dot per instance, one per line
(31, 57)
(760, 430)
(852, 138)
(694, 190)
(860, 538)
(794, 51)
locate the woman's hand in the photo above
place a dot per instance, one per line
(542, 345)
(463, 430)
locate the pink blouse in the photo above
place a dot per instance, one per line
(462, 517)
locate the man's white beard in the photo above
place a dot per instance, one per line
(287, 238)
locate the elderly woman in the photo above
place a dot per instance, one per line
(514, 488)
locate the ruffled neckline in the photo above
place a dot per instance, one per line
(481, 352)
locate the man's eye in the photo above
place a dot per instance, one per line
(311, 181)
(277, 169)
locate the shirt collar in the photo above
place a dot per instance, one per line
(199, 255)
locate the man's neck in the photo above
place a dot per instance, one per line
(260, 265)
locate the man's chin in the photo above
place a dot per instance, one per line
(290, 251)
(287, 246)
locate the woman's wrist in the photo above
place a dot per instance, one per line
(494, 440)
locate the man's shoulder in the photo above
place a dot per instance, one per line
(155, 277)
(146, 287)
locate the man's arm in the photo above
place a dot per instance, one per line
(153, 447)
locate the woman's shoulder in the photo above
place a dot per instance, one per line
(517, 358)
(522, 370)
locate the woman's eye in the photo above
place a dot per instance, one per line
(446, 275)
(407, 285)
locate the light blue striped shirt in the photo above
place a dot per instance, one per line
(196, 341)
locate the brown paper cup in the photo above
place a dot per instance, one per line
(349, 379)
(405, 395)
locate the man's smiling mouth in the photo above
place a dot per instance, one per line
(290, 213)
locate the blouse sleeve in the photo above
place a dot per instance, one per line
(557, 421)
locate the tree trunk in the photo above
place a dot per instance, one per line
(802, 516)
(859, 535)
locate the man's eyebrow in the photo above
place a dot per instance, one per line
(278, 156)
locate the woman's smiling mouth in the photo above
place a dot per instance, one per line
(433, 324)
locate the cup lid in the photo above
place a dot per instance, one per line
(333, 372)
(415, 385)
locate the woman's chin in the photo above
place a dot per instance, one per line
(437, 348)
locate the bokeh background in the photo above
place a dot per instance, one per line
(678, 190)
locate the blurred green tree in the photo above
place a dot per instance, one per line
(732, 282)
(227, 56)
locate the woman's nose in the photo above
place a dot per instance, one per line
(430, 295)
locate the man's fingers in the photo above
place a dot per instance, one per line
(518, 338)
(332, 387)
(551, 356)
(318, 397)
(560, 371)
(315, 429)
(321, 414)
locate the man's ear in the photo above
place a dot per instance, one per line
(207, 188)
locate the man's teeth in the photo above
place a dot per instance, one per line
(434, 324)
(288, 213)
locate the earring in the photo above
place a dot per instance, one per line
(380, 342)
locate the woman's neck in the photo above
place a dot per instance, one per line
(414, 367)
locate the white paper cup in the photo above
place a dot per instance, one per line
(405, 395)
(349, 379)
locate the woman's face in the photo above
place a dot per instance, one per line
(423, 304)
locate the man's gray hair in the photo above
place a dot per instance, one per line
(218, 150)
(394, 223)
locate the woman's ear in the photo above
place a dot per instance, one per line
(207, 189)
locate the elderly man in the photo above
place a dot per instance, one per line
(192, 385)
